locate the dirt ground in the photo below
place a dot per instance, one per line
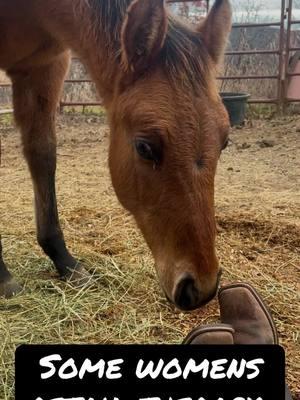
(257, 206)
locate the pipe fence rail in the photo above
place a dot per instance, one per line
(283, 52)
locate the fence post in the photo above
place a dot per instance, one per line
(287, 51)
(282, 56)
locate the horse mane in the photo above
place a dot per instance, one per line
(183, 57)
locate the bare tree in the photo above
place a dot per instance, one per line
(193, 9)
(296, 4)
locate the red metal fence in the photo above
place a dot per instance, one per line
(283, 53)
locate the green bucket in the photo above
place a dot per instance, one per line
(236, 104)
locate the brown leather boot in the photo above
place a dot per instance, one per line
(243, 308)
(211, 334)
(245, 320)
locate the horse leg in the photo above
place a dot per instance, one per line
(8, 286)
(36, 95)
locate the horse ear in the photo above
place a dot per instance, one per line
(143, 33)
(215, 29)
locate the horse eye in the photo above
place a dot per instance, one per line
(146, 150)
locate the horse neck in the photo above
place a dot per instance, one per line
(92, 29)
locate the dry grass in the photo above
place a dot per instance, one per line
(258, 212)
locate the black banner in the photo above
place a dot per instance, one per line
(156, 372)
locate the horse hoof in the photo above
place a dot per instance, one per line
(79, 277)
(9, 289)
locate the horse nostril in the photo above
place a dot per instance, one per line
(187, 296)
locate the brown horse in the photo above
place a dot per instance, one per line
(156, 77)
